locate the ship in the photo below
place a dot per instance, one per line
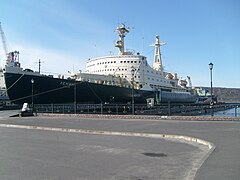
(125, 77)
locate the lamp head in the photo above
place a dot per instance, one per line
(210, 66)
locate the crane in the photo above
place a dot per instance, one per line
(189, 81)
(4, 41)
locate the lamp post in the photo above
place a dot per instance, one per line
(75, 96)
(132, 71)
(32, 82)
(211, 103)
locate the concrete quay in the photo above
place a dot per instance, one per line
(113, 147)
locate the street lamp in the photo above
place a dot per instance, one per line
(211, 103)
(132, 72)
(32, 82)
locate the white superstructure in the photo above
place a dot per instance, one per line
(135, 68)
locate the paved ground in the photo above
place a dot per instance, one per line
(8, 113)
(34, 154)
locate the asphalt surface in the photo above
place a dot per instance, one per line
(36, 154)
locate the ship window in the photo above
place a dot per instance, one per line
(139, 61)
(122, 69)
(111, 62)
(108, 62)
(149, 78)
(105, 62)
(114, 61)
(125, 69)
(127, 61)
(131, 61)
(120, 61)
(138, 76)
(135, 61)
(124, 61)
(142, 58)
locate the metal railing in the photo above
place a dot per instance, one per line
(126, 109)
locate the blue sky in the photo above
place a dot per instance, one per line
(65, 33)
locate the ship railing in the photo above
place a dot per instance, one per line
(164, 109)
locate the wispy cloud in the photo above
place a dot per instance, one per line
(53, 61)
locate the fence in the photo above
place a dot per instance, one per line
(165, 109)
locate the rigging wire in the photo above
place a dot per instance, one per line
(94, 92)
(41, 93)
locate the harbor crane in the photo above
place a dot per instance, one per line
(4, 41)
(189, 82)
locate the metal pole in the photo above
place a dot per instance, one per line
(132, 101)
(32, 82)
(133, 90)
(236, 111)
(169, 109)
(211, 103)
(75, 97)
(211, 93)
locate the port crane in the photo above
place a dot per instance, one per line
(4, 41)
(189, 81)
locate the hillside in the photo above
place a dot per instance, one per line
(226, 94)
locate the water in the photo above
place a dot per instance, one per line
(230, 112)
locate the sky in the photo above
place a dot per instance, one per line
(64, 34)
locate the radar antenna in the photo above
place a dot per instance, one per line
(122, 30)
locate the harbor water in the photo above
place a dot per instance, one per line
(230, 112)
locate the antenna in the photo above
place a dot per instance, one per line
(39, 64)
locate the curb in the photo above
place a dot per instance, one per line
(145, 117)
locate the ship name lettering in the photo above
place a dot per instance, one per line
(66, 83)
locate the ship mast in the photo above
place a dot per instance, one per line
(122, 30)
(157, 64)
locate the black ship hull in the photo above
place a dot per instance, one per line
(46, 90)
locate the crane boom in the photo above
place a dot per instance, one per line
(4, 41)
